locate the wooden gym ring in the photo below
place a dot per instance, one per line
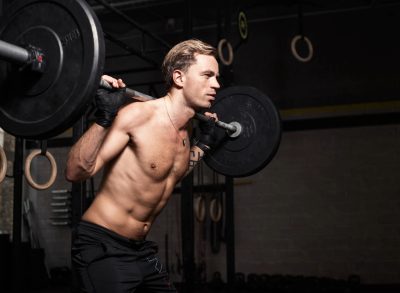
(221, 56)
(243, 26)
(28, 175)
(200, 209)
(215, 210)
(3, 161)
(294, 50)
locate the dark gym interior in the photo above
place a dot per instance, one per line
(322, 215)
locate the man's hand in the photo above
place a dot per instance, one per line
(207, 139)
(108, 102)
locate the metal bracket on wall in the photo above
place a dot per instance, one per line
(61, 207)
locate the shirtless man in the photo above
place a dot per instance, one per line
(145, 150)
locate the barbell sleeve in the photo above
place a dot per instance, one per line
(232, 128)
(32, 56)
(13, 53)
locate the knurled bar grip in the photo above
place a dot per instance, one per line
(143, 97)
(129, 92)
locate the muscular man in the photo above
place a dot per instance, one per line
(145, 150)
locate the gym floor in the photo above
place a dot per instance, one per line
(362, 289)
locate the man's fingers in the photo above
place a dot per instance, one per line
(121, 83)
(108, 78)
(116, 83)
(214, 115)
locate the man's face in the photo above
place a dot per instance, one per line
(200, 82)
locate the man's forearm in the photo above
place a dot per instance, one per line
(83, 155)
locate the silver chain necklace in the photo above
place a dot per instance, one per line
(173, 125)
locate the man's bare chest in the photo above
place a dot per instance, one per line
(163, 154)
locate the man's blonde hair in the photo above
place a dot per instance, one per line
(182, 55)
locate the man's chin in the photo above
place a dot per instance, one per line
(209, 104)
(202, 107)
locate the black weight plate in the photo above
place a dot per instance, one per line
(40, 106)
(258, 142)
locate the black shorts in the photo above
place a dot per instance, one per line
(104, 261)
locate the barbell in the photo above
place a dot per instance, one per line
(249, 141)
(53, 56)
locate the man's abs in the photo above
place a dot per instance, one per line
(132, 220)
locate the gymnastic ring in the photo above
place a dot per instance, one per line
(224, 61)
(215, 210)
(28, 175)
(3, 161)
(309, 45)
(200, 209)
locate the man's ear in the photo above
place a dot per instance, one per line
(178, 78)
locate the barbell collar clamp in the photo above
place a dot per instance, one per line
(238, 130)
(36, 60)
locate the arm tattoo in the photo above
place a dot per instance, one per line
(194, 157)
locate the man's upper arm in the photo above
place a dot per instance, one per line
(114, 143)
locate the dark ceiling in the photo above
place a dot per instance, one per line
(170, 14)
(165, 9)
(165, 19)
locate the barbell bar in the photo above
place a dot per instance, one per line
(250, 141)
(35, 58)
(52, 69)
(62, 62)
(14, 53)
(232, 128)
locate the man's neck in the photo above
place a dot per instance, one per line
(180, 111)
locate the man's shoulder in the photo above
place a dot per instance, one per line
(139, 111)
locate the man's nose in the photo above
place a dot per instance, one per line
(216, 84)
